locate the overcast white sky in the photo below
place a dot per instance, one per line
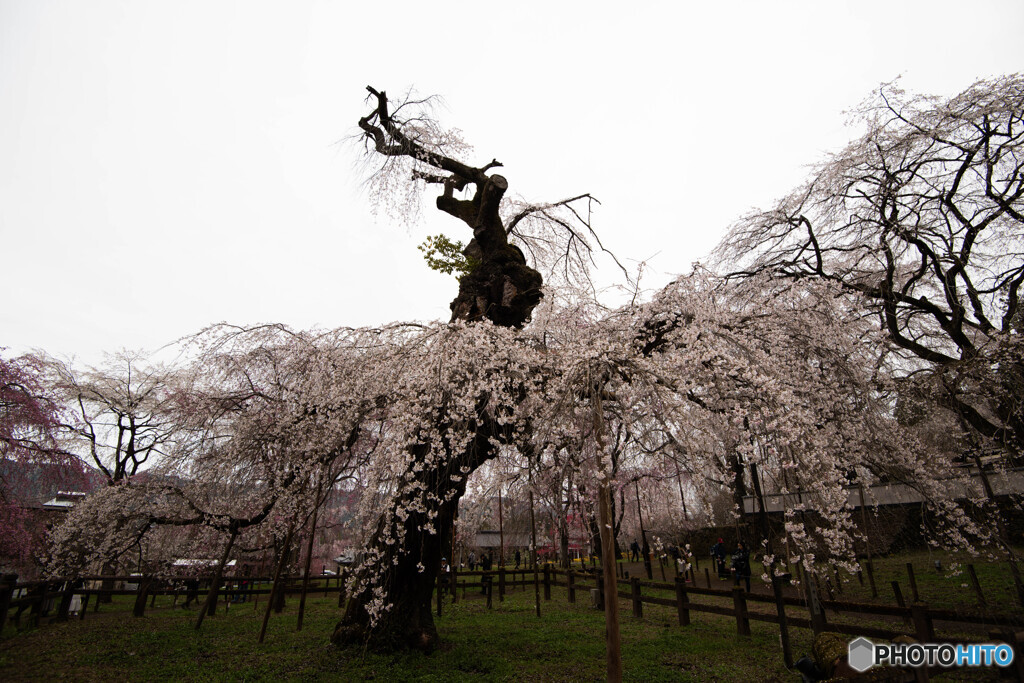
(167, 165)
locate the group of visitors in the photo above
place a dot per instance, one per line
(487, 560)
(739, 561)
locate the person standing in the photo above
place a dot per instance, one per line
(634, 551)
(718, 554)
(485, 564)
(741, 564)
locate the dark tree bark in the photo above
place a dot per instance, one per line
(503, 289)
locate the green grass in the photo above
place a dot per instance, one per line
(939, 588)
(507, 642)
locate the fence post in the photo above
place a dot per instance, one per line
(871, 579)
(818, 621)
(547, 581)
(682, 602)
(913, 583)
(780, 609)
(455, 584)
(85, 606)
(977, 586)
(899, 600)
(488, 587)
(440, 591)
(1017, 582)
(140, 599)
(740, 605)
(600, 589)
(638, 605)
(707, 576)
(501, 584)
(570, 583)
(7, 583)
(38, 595)
(70, 586)
(923, 629)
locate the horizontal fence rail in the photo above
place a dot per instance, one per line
(56, 599)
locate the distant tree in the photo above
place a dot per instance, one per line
(32, 461)
(120, 416)
(29, 416)
(921, 220)
(249, 439)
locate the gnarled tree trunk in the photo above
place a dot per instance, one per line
(503, 289)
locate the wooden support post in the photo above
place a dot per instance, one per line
(913, 583)
(898, 594)
(977, 586)
(900, 600)
(210, 605)
(455, 584)
(638, 605)
(65, 600)
(7, 583)
(38, 595)
(440, 592)
(85, 605)
(547, 581)
(740, 605)
(309, 556)
(707, 576)
(140, 599)
(780, 610)
(871, 578)
(275, 587)
(819, 622)
(533, 557)
(867, 542)
(570, 581)
(682, 602)
(501, 584)
(923, 629)
(489, 587)
(1017, 581)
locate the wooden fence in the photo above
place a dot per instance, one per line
(39, 599)
(919, 619)
(53, 598)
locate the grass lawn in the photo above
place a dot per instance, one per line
(940, 588)
(506, 643)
